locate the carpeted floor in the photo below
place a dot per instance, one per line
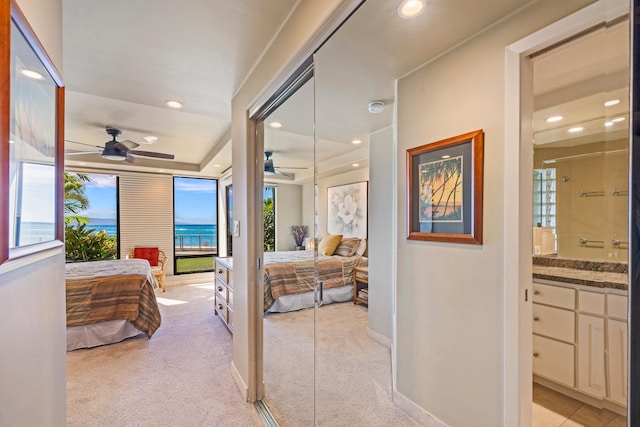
(182, 375)
(179, 377)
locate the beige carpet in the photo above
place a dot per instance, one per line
(353, 379)
(179, 377)
(182, 375)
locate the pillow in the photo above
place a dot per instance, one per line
(362, 247)
(150, 254)
(347, 247)
(329, 243)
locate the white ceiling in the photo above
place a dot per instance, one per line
(123, 59)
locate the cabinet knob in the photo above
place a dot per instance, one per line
(536, 292)
(219, 271)
(535, 319)
(219, 288)
(536, 355)
(219, 306)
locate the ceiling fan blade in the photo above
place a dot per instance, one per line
(120, 146)
(288, 175)
(151, 154)
(82, 143)
(290, 167)
(131, 159)
(75, 153)
(129, 144)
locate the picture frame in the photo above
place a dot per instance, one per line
(347, 210)
(445, 190)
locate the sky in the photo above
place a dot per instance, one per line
(195, 199)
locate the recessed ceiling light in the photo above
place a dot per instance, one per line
(576, 129)
(355, 165)
(173, 104)
(275, 125)
(356, 141)
(608, 124)
(31, 74)
(11, 141)
(160, 170)
(216, 166)
(611, 102)
(554, 119)
(82, 163)
(617, 119)
(446, 156)
(410, 8)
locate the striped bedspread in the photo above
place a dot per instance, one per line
(98, 291)
(282, 277)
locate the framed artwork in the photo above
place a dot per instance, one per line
(444, 186)
(347, 210)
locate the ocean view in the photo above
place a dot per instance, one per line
(186, 235)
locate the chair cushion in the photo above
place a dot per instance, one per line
(150, 254)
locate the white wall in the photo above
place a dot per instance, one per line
(381, 227)
(288, 213)
(32, 297)
(450, 340)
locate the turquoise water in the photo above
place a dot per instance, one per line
(189, 235)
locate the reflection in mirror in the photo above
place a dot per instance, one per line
(581, 147)
(32, 147)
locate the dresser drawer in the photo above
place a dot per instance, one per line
(554, 322)
(222, 273)
(221, 288)
(221, 308)
(554, 360)
(591, 302)
(617, 306)
(554, 295)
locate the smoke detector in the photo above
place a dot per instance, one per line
(376, 107)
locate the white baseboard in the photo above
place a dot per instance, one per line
(415, 411)
(244, 390)
(379, 338)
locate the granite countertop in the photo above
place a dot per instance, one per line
(598, 274)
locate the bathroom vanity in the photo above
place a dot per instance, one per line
(580, 329)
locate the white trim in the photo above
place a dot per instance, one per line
(394, 252)
(517, 251)
(190, 279)
(379, 338)
(50, 249)
(242, 387)
(415, 411)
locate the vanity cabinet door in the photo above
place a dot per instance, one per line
(617, 361)
(591, 366)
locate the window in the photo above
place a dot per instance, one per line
(269, 212)
(91, 216)
(195, 224)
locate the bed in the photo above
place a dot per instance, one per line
(289, 279)
(109, 301)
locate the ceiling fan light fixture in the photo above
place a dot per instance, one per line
(117, 157)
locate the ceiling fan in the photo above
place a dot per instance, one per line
(269, 167)
(120, 150)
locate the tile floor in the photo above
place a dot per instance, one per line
(553, 409)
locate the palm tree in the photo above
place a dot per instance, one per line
(75, 199)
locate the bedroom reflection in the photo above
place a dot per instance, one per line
(288, 323)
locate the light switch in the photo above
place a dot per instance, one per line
(236, 228)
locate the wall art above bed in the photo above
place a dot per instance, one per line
(347, 210)
(444, 181)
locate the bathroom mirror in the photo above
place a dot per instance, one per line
(581, 153)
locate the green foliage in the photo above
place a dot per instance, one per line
(75, 199)
(269, 226)
(83, 244)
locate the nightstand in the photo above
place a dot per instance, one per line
(361, 285)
